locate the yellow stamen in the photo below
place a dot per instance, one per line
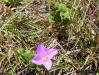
(44, 58)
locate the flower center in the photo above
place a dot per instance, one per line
(44, 58)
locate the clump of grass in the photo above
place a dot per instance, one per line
(11, 2)
(19, 30)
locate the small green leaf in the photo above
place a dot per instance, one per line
(29, 0)
(73, 37)
(51, 19)
(0, 49)
(62, 7)
(39, 68)
(28, 55)
(25, 57)
(97, 73)
(95, 61)
(58, 60)
(20, 50)
(59, 12)
(54, 69)
(68, 66)
(68, 60)
(66, 15)
(12, 2)
(7, 1)
(31, 64)
(56, 5)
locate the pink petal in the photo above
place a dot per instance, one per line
(52, 53)
(37, 60)
(41, 50)
(48, 64)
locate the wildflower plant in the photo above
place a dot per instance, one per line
(12, 2)
(59, 13)
(44, 56)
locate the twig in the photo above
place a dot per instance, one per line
(85, 62)
(26, 5)
(53, 44)
(74, 51)
(75, 44)
(94, 11)
(76, 9)
(85, 13)
(70, 73)
(94, 26)
(64, 51)
(22, 71)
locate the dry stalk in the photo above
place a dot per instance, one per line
(85, 13)
(76, 8)
(85, 62)
(26, 5)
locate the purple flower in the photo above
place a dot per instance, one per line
(44, 56)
